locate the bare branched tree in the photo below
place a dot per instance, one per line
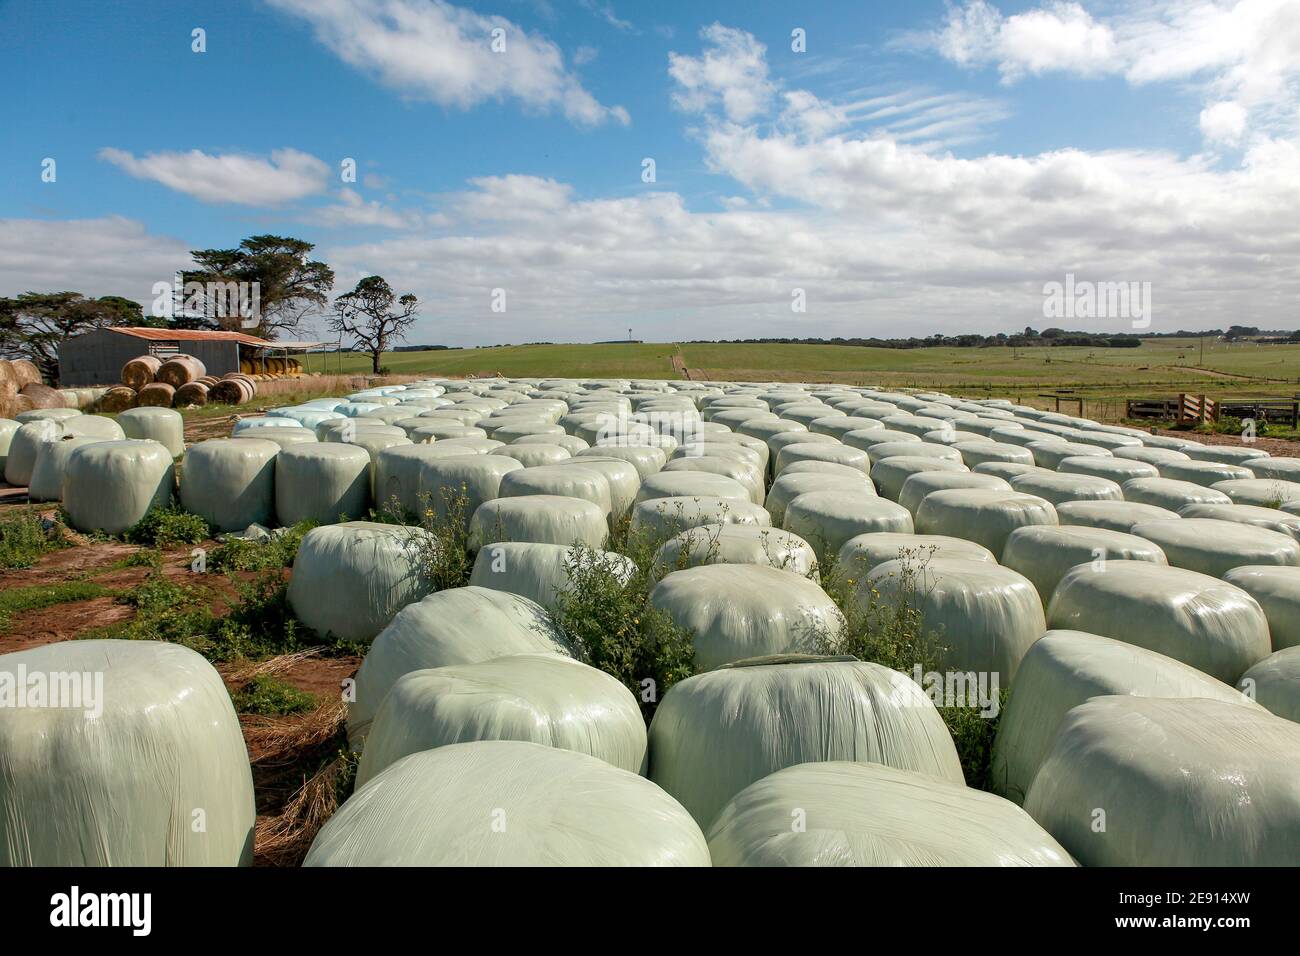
(373, 315)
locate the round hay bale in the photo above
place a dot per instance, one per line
(1045, 553)
(917, 486)
(47, 414)
(828, 519)
(157, 394)
(862, 553)
(42, 396)
(889, 474)
(118, 399)
(25, 373)
(231, 391)
(191, 393)
(230, 482)
(321, 482)
(544, 519)
(110, 485)
(1216, 547)
(646, 460)
(461, 483)
(180, 370)
(539, 571)
(140, 371)
(208, 380)
(1112, 515)
(586, 484)
(51, 464)
(1059, 488)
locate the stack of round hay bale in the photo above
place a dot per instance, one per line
(21, 389)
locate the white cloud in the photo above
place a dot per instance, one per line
(732, 71)
(433, 50)
(1059, 37)
(353, 209)
(1223, 122)
(230, 178)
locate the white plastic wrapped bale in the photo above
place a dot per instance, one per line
(1112, 515)
(350, 579)
(1225, 454)
(661, 518)
(646, 460)
(1062, 670)
(543, 519)
(894, 449)
(866, 814)
(952, 437)
(1044, 554)
(1274, 683)
(46, 414)
(840, 425)
(1184, 782)
(230, 482)
(264, 421)
(1170, 494)
(1059, 488)
(108, 486)
(837, 454)
(508, 803)
(569, 443)
(738, 611)
(8, 428)
(114, 779)
(1216, 547)
(690, 484)
(828, 519)
(1050, 454)
(46, 483)
(1214, 626)
(24, 445)
(345, 429)
(284, 437)
(539, 572)
(748, 474)
(1206, 473)
(714, 734)
(508, 430)
(1006, 470)
(736, 544)
(823, 468)
(984, 616)
(1277, 589)
(861, 554)
(456, 626)
(531, 456)
(621, 475)
(1118, 470)
(1284, 469)
(476, 478)
(869, 438)
(324, 483)
(1261, 492)
(548, 699)
(587, 484)
(778, 442)
(163, 425)
(1271, 519)
(980, 515)
(917, 486)
(436, 430)
(889, 474)
(790, 486)
(982, 452)
(93, 426)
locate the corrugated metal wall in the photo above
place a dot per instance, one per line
(96, 358)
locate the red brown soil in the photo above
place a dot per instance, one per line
(1278, 447)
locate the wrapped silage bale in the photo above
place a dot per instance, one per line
(324, 483)
(983, 452)
(1274, 683)
(436, 431)
(869, 438)
(1118, 470)
(981, 515)
(163, 425)
(1044, 554)
(508, 803)
(716, 733)
(1113, 515)
(587, 484)
(543, 519)
(622, 477)
(646, 460)
(748, 474)
(951, 437)
(787, 487)
(824, 468)
(110, 485)
(1059, 488)
(683, 484)
(538, 571)
(861, 554)
(737, 544)
(1183, 782)
(24, 445)
(117, 780)
(46, 483)
(841, 425)
(263, 421)
(307, 417)
(471, 446)
(456, 626)
(1006, 470)
(47, 414)
(1206, 473)
(1284, 469)
(350, 579)
(1214, 626)
(1170, 494)
(1261, 492)
(230, 482)
(837, 454)
(866, 814)
(1224, 454)
(547, 699)
(912, 424)
(1062, 670)
(889, 474)
(917, 486)
(93, 426)
(827, 519)
(894, 449)
(1216, 547)
(569, 443)
(531, 456)
(475, 478)
(1151, 456)
(984, 616)
(1050, 454)
(1271, 519)
(1277, 589)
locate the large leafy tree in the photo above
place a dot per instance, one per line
(373, 315)
(291, 285)
(34, 324)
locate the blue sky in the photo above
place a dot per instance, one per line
(920, 167)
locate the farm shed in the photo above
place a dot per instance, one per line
(97, 357)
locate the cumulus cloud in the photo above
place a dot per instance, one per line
(433, 50)
(1059, 37)
(1223, 122)
(228, 178)
(352, 209)
(732, 72)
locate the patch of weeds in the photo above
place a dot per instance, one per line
(164, 611)
(973, 733)
(17, 600)
(260, 622)
(166, 527)
(267, 697)
(24, 540)
(278, 551)
(144, 558)
(441, 554)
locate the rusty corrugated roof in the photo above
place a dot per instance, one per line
(191, 335)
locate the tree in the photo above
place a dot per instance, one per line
(34, 324)
(290, 285)
(373, 315)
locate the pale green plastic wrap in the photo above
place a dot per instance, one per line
(163, 425)
(749, 474)
(984, 615)
(622, 476)
(1275, 683)
(508, 803)
(647, 461)
(737, 544)
(1170, 494)
(52, 457)
(1224, 454)
(1270, 519)
(350, 579)
(120, 782)
(986, 452)
(538, 572)
(841, 425)
(476, 477)
(1111, 515)
(1212, 625)
(980, 515)
(530, 456)
(917, 486)
(661, 518)
(1285, 469)
(1181, 783)
(691, 484)
(1059, 488)
(1216, 547)
(1204, 473)
(866, 814)
(836, 454)
(230, 482)
(896, 449)
(110, 485)
(714, 734)
(889, 474)
(587, 484)
(458, 626)
(864, 552)
(1006, 470)
(1049, 454)
(869, 438)
(738, 611)
(24, 445)
(548, 699)
(1066, 668)
(543, 519)
(791, 485)
(326, 482)
(1261, 492)
(8, 428)
(1118, 470)
(1044, 554)
(1277, 589)
(284, 437)
(93, 426)
(570, 443)
(827, 519)
(399, 476)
